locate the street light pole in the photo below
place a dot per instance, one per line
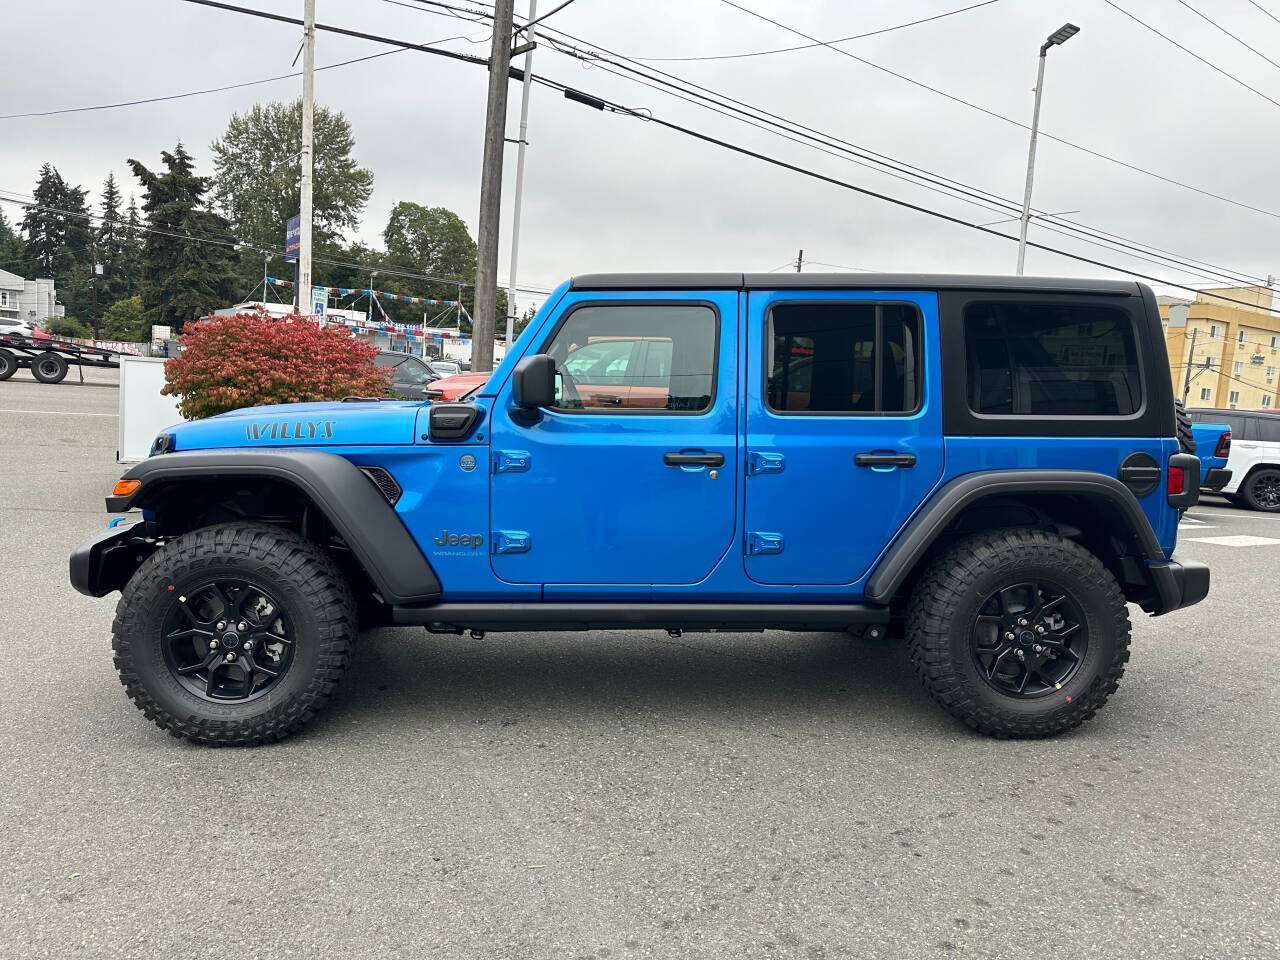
(308, 120)
(520, 148)
(1058, 37)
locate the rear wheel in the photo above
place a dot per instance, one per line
(234, 635)
(1262, 490)
(49, 368)
(1019, 633)
(8, 365)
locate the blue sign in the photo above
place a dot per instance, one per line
(292, 238)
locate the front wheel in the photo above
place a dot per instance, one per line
(234, 634)
(1019, 633)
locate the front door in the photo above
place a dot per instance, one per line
(844, 428)
(630, 478)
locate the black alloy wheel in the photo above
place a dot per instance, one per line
(1029, 639)
(227, 641)
(1263, 490)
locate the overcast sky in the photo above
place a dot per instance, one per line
(610, 192)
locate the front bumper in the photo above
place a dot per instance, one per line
(1215, 478)
(1179, 583)
(106, 562)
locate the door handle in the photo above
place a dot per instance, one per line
(885, 459)
(608, 399)
(693, 459)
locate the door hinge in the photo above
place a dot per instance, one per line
(760, 543)
(510, 541)
(758, 463)
(511, 461)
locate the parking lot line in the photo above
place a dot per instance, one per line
(62, 413)
(1237, 540)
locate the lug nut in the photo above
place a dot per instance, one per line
(1038, 649)
(230, 657)
(1022, 621)
(222, 624)
(242, 626)
(1022, 654)
(248, 645)
(1009, 635)
(1039, 629)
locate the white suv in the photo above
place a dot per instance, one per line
(20, 327)
(1254, 461)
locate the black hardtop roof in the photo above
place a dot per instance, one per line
(849, 281)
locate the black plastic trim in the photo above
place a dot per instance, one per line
(106, 561)
(1216, 478)
(1179, 583)
(354, 506)
(947, 503)
(846, 281)
(497, 617)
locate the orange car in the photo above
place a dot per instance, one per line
(455, 387)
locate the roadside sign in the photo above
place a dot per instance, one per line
(292, 238)
(317, 309)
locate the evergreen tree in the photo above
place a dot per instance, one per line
(58, 233)
(12, 256)
(130, 267)
(188, 269)
(112, 285)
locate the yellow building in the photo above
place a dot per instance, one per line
(1230, 351)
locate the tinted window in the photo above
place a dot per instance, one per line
(636, 357)
(1263, 428)
(1051, 360)
(413, 372)
(854, 357)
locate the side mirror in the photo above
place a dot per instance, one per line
(533, 384)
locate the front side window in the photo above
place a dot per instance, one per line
(644, 357)
(413, 372)
(1033, 359)
(848, 357)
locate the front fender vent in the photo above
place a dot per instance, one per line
(384, 482)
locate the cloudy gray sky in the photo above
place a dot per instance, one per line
(610, 192)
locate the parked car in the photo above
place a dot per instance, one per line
(409, 375)
(445, 368)
(1254, 456)
(994, 462)
(455, 387)
(20, 328)
(1213, 446)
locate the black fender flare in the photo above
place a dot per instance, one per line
(946, 504)
(349, 500)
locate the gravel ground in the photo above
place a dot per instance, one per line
(615, 795)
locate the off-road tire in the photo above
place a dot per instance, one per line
(8, 365)
(1186, 440)
(947, 599)
(308, 586)
(1248, 490)
(49, 367)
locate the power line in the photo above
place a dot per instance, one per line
(935, 182)
(600, 103)
(244, 244)
(999, 116)
(1219, 27)
(1265, 10)
(550, 13)
(1208, 63)
(198, 93)
(819, 43)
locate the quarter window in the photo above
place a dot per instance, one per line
(636, 357)
(1051, 360)
(843, 358)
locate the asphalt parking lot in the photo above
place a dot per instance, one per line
(611, 795)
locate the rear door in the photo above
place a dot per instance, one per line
(844, 428)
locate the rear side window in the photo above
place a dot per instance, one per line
(636, 357)
(851, 357)
(1266, 429)
(1051, 360)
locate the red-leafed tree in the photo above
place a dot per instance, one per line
(248, 360)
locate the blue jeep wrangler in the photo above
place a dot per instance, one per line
(991, 465)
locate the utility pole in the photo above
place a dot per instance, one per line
(265, 258)
(93, 281)
(800, 261)
(520, 148)
(1059, 36)
(495, 122)
(1186, 383)
(308, 121)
